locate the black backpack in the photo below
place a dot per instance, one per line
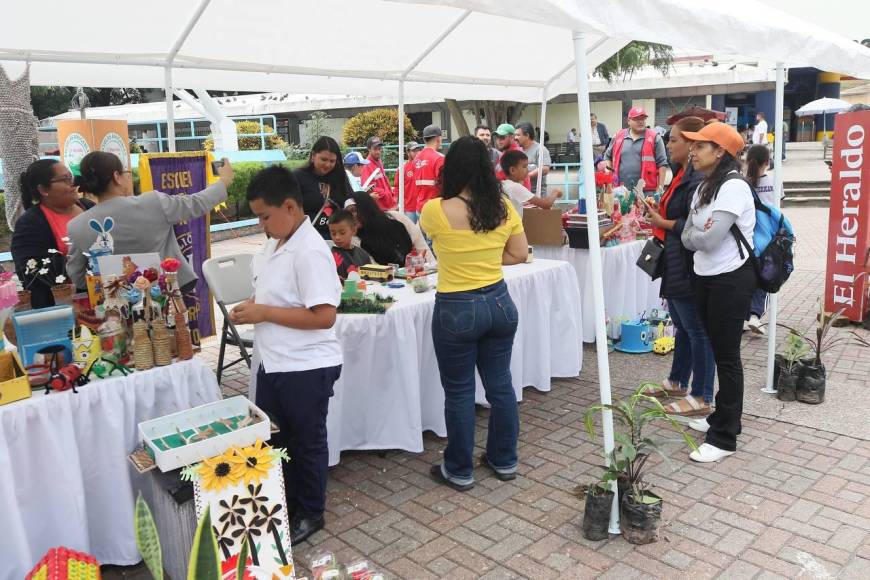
(773, 238)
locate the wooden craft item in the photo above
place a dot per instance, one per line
(183, 341)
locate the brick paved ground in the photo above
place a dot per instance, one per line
(794, 502)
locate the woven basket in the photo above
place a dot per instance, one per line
(143, 354)
(183, 341)
(160, 342)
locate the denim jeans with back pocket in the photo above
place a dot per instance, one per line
(476, 329)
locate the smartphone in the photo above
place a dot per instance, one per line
(215, 165)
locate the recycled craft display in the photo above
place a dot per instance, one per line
(243, 489)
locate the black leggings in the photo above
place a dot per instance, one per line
(723, 302)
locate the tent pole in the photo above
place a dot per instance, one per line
(595, 257)
(777, 192)
(400, 170)
(170, 109)
(541, 142)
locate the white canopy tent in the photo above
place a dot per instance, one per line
(465, 49)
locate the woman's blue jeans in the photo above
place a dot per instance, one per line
(693, 354)
(476, 329)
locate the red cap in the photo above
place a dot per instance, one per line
(636, 113)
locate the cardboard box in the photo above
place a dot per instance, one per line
(14, 384)
(543, 226)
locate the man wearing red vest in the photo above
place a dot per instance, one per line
(505, 141)
(427, 167)
(407, 173)
(381, 190)
(637, 153)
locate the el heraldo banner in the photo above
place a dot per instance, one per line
(78, 138)
(847, 272)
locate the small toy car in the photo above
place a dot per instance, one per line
(664, 345)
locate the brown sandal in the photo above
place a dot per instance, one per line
(688, 406)
(666, 390)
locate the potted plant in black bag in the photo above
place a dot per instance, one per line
(790, 366)
(596, 516)
(640, 509)
(812, 376)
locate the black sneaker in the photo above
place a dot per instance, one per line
(502, 476)
(438, 476)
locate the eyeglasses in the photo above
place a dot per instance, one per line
(67, 179)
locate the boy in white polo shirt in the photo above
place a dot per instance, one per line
(293, 310)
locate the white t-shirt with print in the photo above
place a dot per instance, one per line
(764, 189)
(517, 193)
(734, 197)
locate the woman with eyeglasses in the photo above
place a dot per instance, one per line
(50, 201)
(139, 224)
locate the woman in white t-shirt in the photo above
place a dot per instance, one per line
(725, 275)
(757, 162)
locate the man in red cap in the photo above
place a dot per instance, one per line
(637, 153)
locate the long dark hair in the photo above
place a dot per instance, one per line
(98, 170)
(40, 172)
(757, 160)
(337, 178)
(711, 184)
(384, 238)
(467, 166)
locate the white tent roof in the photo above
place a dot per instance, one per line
(501, 49)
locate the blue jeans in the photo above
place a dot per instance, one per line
(412, 215)
(758, 306)
(693, 354)
(476, 329)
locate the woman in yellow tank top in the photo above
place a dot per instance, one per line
(475, 230)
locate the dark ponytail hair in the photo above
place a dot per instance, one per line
(757, 161)
(467, 165)
(711, 184)
(40, 172)
(98, 170)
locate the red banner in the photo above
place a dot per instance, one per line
(849, 223)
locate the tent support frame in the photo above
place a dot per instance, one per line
(587, 171)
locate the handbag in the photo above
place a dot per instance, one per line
(650, 258)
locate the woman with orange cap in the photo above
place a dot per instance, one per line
(725, 276)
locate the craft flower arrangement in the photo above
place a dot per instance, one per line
(243, 488)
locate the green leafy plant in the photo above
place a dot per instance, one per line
(316, 126)
(147, 539)
(795, 349)
(383, 123)
(205, 560)
(822, 339)
(634, 447)
(252, 141)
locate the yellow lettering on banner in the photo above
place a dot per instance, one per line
(176, 180)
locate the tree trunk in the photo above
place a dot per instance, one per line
(517, 112)
(458, 117)
(477, 118)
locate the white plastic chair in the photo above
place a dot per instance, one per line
(229, 279)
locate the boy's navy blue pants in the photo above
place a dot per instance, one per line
(298, 402)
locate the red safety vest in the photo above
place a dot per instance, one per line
(427, 175)
(649, 171)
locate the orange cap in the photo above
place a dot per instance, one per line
(723, 135)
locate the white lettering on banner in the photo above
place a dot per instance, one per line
(839, 291)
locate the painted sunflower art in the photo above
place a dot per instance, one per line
(253, 463)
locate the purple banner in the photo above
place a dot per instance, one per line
(183, 175)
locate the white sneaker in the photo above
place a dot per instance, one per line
(699, 425)
(755, 325)
(707, 453)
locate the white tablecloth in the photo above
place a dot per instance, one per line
(64, 474)
(628, 290)
(390, 390)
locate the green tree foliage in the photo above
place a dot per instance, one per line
(55, 100)
(633, 57)
(383, 123)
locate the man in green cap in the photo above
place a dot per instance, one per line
(504, 142)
